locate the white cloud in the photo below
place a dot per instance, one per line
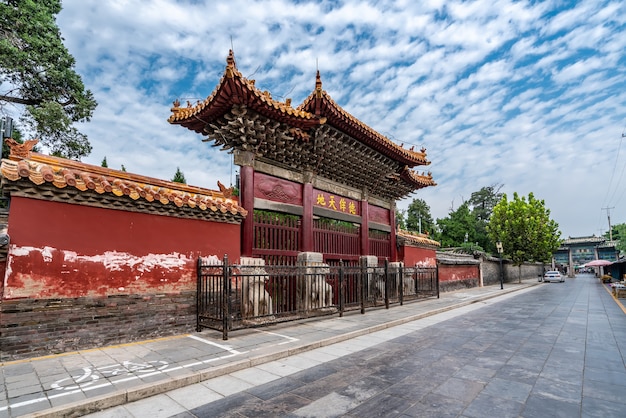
(531, 95)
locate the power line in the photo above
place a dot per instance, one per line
(608, 191)
(621, 176)
(608, 216)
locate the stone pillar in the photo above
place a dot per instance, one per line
(570, 270)
(399, 285)
(255, 300)
(369, 260)
(481, 280)
(245, 159)
(312, 290)
(372, 283)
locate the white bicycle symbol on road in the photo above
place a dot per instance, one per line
(90, 376)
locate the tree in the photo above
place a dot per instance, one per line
(525, 229)
(458, 228)
(418, 217)
(17, 135)
(482, 203)
(104, 162)
(179, 177)
(619, 236)
(37, 71)
(400, 219)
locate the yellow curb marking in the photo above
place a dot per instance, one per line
(619, 303)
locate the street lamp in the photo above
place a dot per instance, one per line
(500, 250)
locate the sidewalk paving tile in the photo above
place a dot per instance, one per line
(111, 374)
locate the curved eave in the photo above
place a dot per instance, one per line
(235, 90)
(419, 181)
(321, 104)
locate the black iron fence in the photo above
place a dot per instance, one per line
(231, 296)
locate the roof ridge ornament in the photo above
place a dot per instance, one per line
(318, 85)
(231, 65)
(20, 151)
(230, 60)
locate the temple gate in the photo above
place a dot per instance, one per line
(314, 178)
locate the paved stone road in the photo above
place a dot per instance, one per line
(554, 350)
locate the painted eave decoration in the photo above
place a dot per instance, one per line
(317, 135)
(24, 169)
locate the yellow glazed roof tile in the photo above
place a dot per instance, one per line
(63, 173)
(416, 238)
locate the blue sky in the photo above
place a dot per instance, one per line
(531, 95)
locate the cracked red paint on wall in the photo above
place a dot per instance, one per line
(421, 257)
(458, 272)
(52, 273)
(61, 250)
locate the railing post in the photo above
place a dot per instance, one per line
(386, 283)
(401, 282)
(198, 294)
(340, 289)
(363, 278)
(225, 298)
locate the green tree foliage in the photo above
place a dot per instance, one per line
(482, 203)
(525, 229)
(179, 177)
(458, 228)
(619, 236)
(104, 163)
(17, 135)
(418, 217)
(37, 71)
(400, 219)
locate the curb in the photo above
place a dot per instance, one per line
(121, 397)
(616, 299)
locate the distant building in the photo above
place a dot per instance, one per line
(580, 250)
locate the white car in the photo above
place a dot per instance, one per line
(553, 276)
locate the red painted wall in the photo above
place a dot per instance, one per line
(3, 266)
(379, 215)
(61, 250)
(423, 257)
(458, 272)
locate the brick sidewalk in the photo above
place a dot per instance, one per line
(77, 383)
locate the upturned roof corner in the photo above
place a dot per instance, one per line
(317, 135)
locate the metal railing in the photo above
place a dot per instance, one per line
(231, 296)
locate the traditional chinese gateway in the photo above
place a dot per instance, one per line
(91, 256)
(314, 178)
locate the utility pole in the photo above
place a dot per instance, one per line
(608, 215)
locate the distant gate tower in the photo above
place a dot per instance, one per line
(313, 178)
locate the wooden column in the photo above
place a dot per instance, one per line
(308, 240)
(246, 194)
(392, 235)
(365, 228)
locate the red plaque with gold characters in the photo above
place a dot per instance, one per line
(336, 203)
